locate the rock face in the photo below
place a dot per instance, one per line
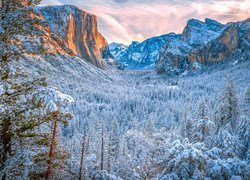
(172, 58)
(204, 43)
(234, 38)
(168, 53)
(139, 55)
(117, 49)
(79, 30)
(197, 33)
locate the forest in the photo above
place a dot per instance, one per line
(115, 124)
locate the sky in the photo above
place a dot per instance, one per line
(124, 21)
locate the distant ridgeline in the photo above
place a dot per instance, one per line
(200, 43)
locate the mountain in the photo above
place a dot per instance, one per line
(173, 56)
(234, 40)
(138, 55)
(145, 54)
(117, 49)
(197, 33)
(78, 29)
(205, 43)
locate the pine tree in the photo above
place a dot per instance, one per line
(82, 155)
(203, 127)
(203, 111)
(246, 103)
(114, 146)
(150, 127)
(243, 132)
(27, 106)
(228, 108)
(102, 151)
(186, 125)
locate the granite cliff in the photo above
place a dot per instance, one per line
(78, 29)
(206, 42)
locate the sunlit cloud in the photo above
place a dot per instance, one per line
(127, 20)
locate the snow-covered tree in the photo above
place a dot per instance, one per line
(186, 125)
(202, 110)
(243, 141)
(28, 107)
(114, 147)
(246, 103)
(228, 108)
(150, 126)
(203, 126)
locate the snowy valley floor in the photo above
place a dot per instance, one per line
(134, 98)
(145, 113)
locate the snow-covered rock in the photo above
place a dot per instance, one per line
(233, 42)
(197, 33)
(139, 55)
(206, 42)
(117, 49)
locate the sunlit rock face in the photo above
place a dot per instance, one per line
(206, 42)
(79, 30)
(25, 2)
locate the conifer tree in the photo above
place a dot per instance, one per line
(150, 127)
(228, 108)
(27, 105)
(246, 103)
(203, 127)
(114, 146)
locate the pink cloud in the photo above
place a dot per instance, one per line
(156, 19)
(124, 21)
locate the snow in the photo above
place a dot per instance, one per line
(2, 91)
(138, 55)
(129, 97)
(150, 112)
(235, 62)
(198, 32)
(52, 99)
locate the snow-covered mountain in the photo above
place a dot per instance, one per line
(205, 43)
(138, 55)
(78, 29)
(197, 33)
(145, 54)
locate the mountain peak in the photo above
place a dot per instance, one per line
(195, 23)
(197, 32)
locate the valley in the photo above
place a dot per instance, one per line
(72, 106)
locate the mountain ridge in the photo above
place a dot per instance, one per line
(179, 52)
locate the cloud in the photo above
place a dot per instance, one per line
(127, 20)
(120, 1)
(50, 2)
